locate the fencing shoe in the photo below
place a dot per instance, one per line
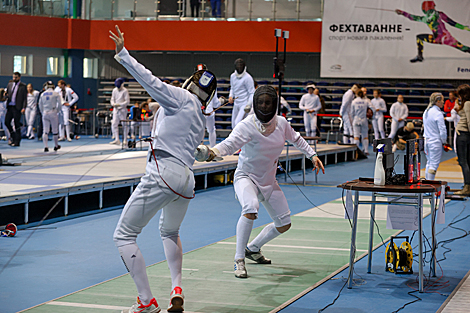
(258, 257)
(418, 58)
(176, 300)
(240, 269)
(57, 148)
(46, 149)
(115, 142)
(138, 307)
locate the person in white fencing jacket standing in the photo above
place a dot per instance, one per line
(49, 105)
(120, 101)
(69, 98)
(168, 183)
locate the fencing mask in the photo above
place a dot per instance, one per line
(240, 66)
(48, 84)
(119, 81)
(265, 103)
(203, 84)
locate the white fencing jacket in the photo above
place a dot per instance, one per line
(70, 96)
(180, 124)
(435, 130)
(49, 101)
(242, 87)
(345, 108)
(259, 153)
(399, 111)
(214, 104)
(120, 98)
(310, 102)
(359, 110)
(378, 103)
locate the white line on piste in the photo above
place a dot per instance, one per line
(96, 306)
(190, 269)
(296, 247)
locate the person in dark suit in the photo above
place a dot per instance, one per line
(17, 95)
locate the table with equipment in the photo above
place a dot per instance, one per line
(393, 194)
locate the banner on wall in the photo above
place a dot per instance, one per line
(396, 39)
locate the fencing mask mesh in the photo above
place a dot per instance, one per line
(265, 103)
(239, 65)
(203, 84)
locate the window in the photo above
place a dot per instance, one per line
(55, 66)
(90, 68)
(19, 64)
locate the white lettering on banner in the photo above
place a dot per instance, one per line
(371, 40)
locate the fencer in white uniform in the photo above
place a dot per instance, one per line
(455, 118)
(311, 105)
(30, 111)
(242, 88)
(261, 137)
(345, 110)
(69, 98)
(378, 107)
(49, 105)
(435, 134)
(120, 101)
(398, 112)
(360, 124)
(168, 183)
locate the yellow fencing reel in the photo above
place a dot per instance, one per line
(399, 260)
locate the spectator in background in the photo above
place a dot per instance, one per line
(216, 8)
(360, 124)
(119, 100)
(378, 108)
(135, 117)
(242, 89)
(17, 97)
(449, 105)
(345, 110)
(69, 98)
(311, 105)
(30, 111)
(403, 134)
(454, 117)
(399, 113)
(463, 136)
(435, 134)
(74, 119)
(145, 117)
(39, 116)
(194, 8)
(176, 83)
(3, 112)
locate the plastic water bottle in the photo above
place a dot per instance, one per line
(379, 176)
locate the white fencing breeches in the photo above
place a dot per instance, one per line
(150, 196)
(64, 128)
(433, 152)
(30, 116)
(362, 130)
(210, 126)
(378, 124)
(50, 120)
(118, 116)
(310, 123)
(238, 113)
(347, 128)
(395, 126)
(249, 197)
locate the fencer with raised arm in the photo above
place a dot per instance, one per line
(261, 138)
(399, 113)
(168, 183)
(435, 134)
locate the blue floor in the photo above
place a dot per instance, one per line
(69, 255)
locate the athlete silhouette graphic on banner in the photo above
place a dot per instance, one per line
(440, 35)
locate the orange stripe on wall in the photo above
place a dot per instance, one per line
(159, 35)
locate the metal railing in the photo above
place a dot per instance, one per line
(232, 10)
